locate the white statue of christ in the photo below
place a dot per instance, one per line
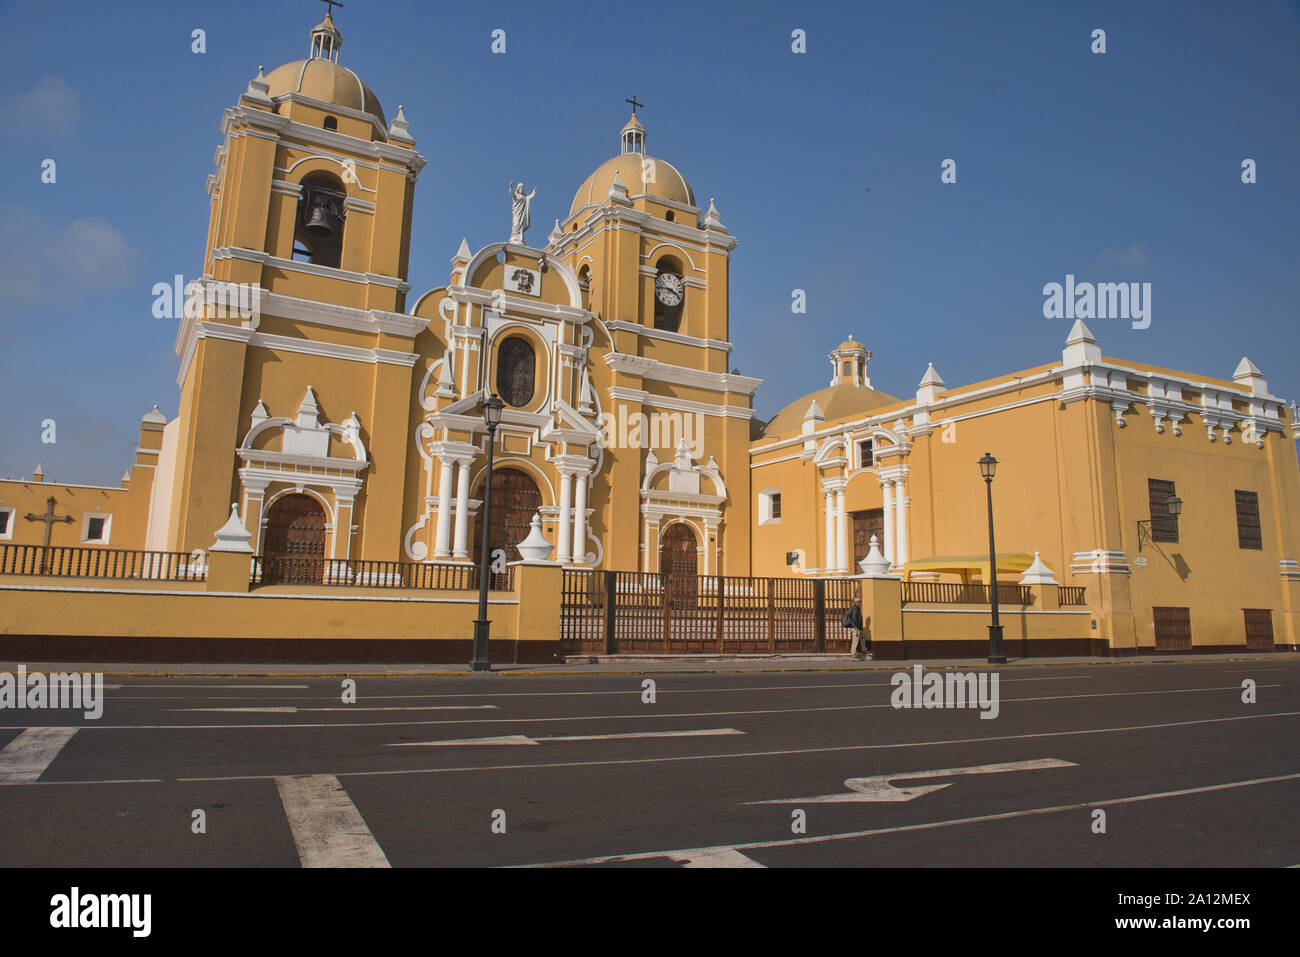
(521, 206)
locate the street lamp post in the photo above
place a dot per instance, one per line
(482, 627)
(989, 465)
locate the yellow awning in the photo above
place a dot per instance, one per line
(966, 565)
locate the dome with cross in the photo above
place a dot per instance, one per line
(637, 172)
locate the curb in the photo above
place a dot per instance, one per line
(860, 667)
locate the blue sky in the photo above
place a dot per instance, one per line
(1122, 166)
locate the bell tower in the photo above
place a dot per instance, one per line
(313, 188)
(310, 224)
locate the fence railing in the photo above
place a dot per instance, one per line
(74, 562)
(1072, 594)
(954, 593)
(609, 612)
(373, 574)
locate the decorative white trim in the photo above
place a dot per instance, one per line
(654, 401)
(1099, 562)
(1290, 570)
(374, 321)
(407, 160)
(620, 325)
(653, 369)
(307, 269)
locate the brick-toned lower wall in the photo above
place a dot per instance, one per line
(270, 650)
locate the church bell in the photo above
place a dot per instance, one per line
(323, 220)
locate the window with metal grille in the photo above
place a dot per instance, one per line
(1248, 531)
(1259, 629)
(1173, 628)
(1164, 527)
(867, 453)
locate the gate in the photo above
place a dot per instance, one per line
(609, 612)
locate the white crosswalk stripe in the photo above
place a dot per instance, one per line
(328, 830)
(25, 758)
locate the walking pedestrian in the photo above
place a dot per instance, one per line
(853, 622)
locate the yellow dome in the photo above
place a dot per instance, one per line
(851, 345)
(325, 80)
(835, 401)
(668, 182)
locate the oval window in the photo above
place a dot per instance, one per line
(516, 370)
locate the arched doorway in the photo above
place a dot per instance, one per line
(515, 500)
(679, 561)
(293, 551)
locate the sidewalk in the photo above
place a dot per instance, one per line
(619, 664)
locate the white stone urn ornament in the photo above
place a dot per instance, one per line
(535, 548)
(875, 565)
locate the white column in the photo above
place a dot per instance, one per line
(563, 532)
(580, 521)
(442, 545)
(842, 533)
(830, 532)
(461, 548)
(900, 507)
(888, 489)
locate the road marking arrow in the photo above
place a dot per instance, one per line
(524, 739)
(878, 787)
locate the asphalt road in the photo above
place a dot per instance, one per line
(734, 770)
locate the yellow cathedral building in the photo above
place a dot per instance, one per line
(340, 412)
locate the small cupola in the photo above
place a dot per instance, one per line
(849, 364)
(326, 40)
(634, 136)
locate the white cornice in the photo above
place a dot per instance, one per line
(658, 371)
(496, 299)
(331, 350)
(341, 317)
(620, 325)
(611, 216)
(407, 159)
(681, 405)
(308, 269)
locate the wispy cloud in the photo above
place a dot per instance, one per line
(43, 261)
(50, 107)
(1131, 259)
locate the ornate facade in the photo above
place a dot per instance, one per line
(343, 416)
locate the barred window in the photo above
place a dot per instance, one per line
(1164, 527)
(516, 365)
(1248, 530)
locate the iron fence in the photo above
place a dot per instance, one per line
(75, 562)
(373, 574)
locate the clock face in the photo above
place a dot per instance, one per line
(670, 289)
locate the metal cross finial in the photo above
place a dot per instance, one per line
(634, 103)
(332, 4)
(49, 518)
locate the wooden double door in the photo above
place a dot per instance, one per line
(515, 500)
(293, 551)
